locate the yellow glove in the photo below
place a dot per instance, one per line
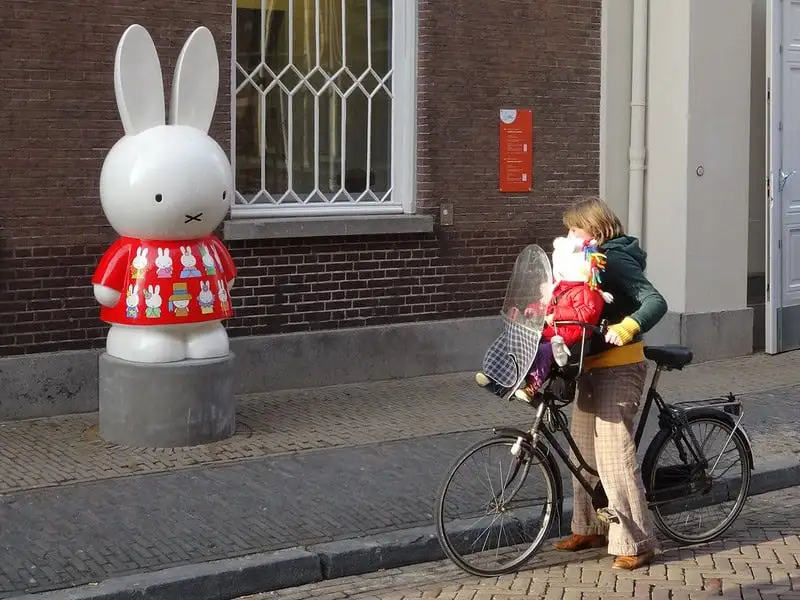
(624, 331)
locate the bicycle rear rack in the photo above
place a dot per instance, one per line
(729, 404)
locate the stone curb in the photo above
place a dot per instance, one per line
(254, 573)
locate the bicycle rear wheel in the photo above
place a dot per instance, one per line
(697, 501)
(496, 508)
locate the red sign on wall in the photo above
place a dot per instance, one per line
(516, 150)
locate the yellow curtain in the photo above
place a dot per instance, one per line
(303, 42)
(256, 4)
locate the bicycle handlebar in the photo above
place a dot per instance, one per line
(599, 329)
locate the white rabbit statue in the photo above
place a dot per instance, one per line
(165, 189)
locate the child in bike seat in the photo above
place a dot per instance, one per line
(576, 296)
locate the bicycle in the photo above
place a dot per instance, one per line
(689, 481)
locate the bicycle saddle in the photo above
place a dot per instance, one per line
(671, 356)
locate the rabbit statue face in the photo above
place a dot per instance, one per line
(169, 182)
(166, 182)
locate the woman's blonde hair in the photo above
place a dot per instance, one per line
(595, 218)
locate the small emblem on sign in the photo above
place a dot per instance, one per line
(507, 115)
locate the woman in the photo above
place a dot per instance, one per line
(609, 393)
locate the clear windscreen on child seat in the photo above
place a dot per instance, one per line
(529, 289)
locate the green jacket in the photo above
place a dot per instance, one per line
(634, 295)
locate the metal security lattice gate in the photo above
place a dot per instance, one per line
(315, 109)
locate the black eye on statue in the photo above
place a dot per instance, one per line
(224, 195)
(159, 197)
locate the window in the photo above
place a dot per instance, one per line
(323, 110)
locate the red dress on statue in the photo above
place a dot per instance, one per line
(166, 282)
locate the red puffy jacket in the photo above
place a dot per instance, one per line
(573, 301)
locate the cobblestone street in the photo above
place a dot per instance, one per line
(757, 559)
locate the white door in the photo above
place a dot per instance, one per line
(783, 182)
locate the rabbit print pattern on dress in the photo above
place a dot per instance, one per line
(190, 298)
(152, 298)
(163, 264)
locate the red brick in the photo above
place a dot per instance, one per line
(60, 119)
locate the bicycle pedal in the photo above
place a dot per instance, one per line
(606, 516)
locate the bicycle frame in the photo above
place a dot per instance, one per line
(672, 417)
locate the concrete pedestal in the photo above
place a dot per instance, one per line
(166, 405)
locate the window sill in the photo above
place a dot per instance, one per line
(303, 227)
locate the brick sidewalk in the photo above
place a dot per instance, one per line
(757, 559)
(68, 450)
(76, 510)
(76, 534)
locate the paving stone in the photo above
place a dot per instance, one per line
(656, 583)
(67, 450)
(308, 467)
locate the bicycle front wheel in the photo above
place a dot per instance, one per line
(496, 506)
(695, 501)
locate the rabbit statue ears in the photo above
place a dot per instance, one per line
(139, 86)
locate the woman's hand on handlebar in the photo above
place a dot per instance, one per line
(623, 332)
(612, 337)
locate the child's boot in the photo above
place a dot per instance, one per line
(526, 392)
(483, 380)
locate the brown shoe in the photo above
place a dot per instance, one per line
(576, 543)
(630, 563)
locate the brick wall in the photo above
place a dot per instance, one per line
(59, 118)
